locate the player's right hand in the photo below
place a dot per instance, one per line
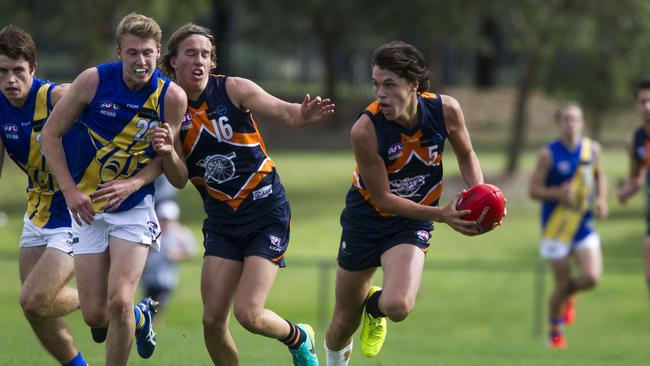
(453, 218)
(162, 139)
(80, 206)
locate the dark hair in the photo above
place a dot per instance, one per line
(641, 84)
(560, 110)
(177, 38)
(404, 60)
(16, 43)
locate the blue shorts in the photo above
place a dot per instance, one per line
(362, 250)
(267, 237)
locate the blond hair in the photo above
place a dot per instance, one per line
(140, 26)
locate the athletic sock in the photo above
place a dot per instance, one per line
(295, 337)
(139, 317)
(78, 360)
(372, 305)
(338, 358)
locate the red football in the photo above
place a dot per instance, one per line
(487, 204)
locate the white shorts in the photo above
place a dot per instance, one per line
(34, 236)
(555, 249)
(138, 225)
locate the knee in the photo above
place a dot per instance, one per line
(249, 317)
(397, 309)
(215, 324)
(33, 304)
(120, 308)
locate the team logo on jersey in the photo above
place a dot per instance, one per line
(276, 243)
(218, 168)
(564, 167)
(262, 192)
(395, 151)
(640, 152)
(11, 131)
(186, 123)
(422, 235)
(407, 187)
(222, 110)
(108, 109)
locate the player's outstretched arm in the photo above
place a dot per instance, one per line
(250, 96)
(166, 139)
(64, 115)
(468, 163)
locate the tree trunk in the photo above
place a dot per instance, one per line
(328, 37)
(222, 26)
(520, 118)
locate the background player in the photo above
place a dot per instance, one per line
(247, 228)
(45, 259)
(118, 104)
(177, 243)
(570, 182)
(398, 143)
(639, 153)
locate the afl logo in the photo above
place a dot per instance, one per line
(222, 110)
(10, 128)
(395, 151)
(109, 106)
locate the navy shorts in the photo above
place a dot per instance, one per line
(267, 237)
(362, 250)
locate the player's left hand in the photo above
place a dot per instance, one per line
(114, 193)
(162, 139)
(313, 110)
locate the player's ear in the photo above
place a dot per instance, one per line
(118, 51)
(158, 51)
(415, 85)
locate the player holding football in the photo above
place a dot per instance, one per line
(570, 182)
(118, 105)
(248, 215)
(45, 259)
(398, 143)
(639, 154)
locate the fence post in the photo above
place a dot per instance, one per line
(539, 278)
(323, 292)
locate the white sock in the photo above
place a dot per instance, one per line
(338, 358)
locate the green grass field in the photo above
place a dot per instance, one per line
(477, 304)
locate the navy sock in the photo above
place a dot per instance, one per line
(78, 360)
(99, 334)
(295, 337)
(372, 305)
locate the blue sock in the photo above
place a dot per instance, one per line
(139, 318)
(78, 360)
